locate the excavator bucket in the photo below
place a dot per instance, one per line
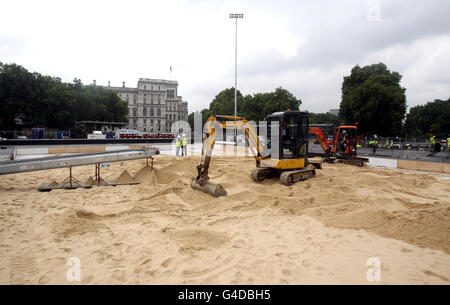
(214, 189)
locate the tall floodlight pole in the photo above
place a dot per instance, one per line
(236, 17)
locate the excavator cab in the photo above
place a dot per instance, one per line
(345, 138)
(293, 131)
(285, 154)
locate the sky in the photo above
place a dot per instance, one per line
(304, 46)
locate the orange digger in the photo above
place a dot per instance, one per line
(342, 149)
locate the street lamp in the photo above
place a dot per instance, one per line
(236, 17)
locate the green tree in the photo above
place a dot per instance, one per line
(325, 118)
(45, 101)
(253, 108)
(223, 103)
(16, 91)
(373, 97)
(433, 117)
(258, 106)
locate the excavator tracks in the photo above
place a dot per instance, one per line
(294, 176)
(357, 161)
(260, 173)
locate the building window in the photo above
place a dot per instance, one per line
(159, 123)
(145, 87)
(145, 100)
(134, 112)
(159, 112)
(159, 100)
(151, 122)
(151, 99)
(134, 122)
(170, 94)
(152, 112)
(145, 113)
(134, 101)
(145, 129)
(145, 122)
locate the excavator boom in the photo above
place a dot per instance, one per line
(212, 126)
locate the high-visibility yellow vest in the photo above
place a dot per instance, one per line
(432, 140)
(184, 141)
(178, 142)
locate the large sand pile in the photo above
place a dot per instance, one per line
(163, 232)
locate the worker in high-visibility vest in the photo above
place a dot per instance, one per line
(448, 146)
(374, 148)
(432, 141)
(184, 145)
(178, 144)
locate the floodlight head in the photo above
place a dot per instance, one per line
(236, 15)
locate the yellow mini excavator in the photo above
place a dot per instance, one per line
(287, 159)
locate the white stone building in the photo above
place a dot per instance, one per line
(154, 105)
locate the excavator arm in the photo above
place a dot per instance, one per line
(213, 124)
(321, 139)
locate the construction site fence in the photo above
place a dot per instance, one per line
(34, 134)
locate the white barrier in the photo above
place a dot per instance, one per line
(387, 163)
(32, 151)
(116, 147)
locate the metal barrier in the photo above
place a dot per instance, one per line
(21, 166)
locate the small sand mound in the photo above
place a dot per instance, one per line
(89, 181)
(125, 178)
(53, 184)
(98, 182)
(146, 175)
(77, 223)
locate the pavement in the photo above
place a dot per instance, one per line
(394, 154)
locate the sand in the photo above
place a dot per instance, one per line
(320, 231)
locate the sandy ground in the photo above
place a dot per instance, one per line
(320, 231)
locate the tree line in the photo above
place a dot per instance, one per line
(253, 107)
(45, 101)
(371, 95)
(432, 118)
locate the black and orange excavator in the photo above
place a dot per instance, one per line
(342, 149)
